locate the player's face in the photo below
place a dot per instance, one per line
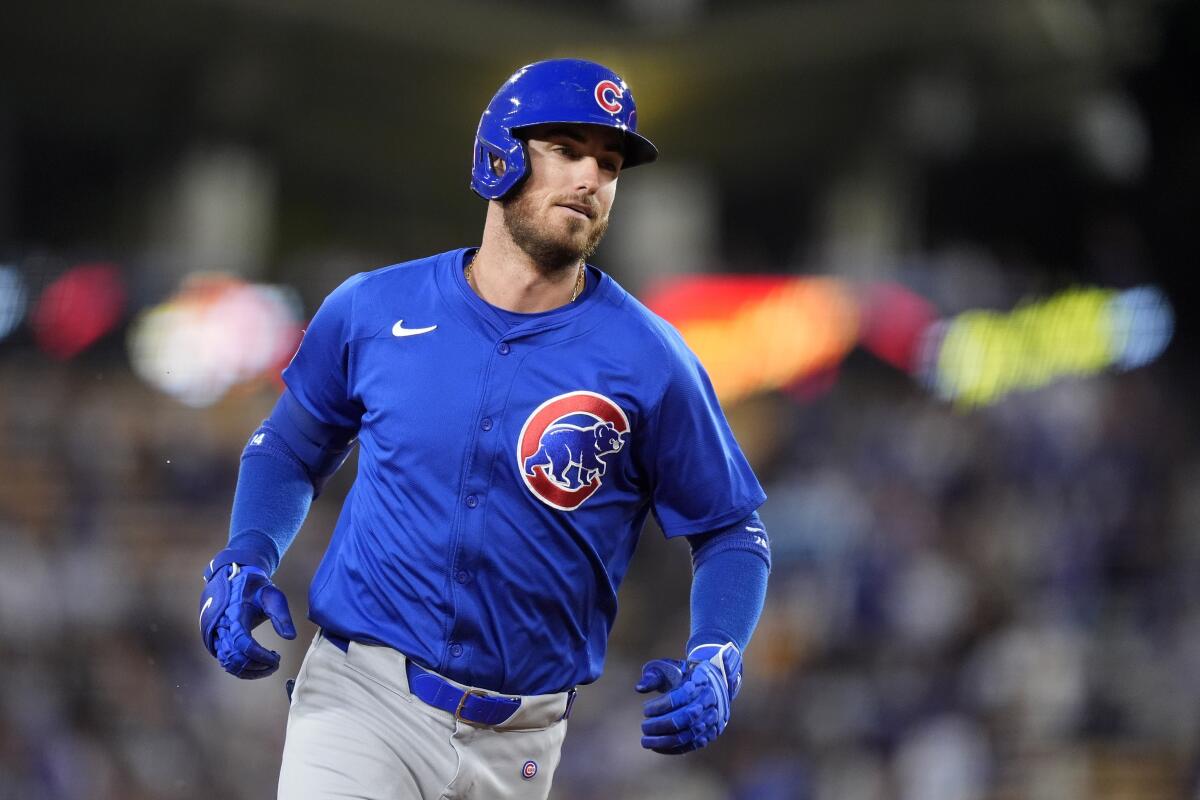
(561, 211)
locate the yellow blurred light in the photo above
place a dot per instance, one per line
(986, 355)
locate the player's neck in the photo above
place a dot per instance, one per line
(504, 275)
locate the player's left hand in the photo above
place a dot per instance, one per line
(236, 600)
(695, 707)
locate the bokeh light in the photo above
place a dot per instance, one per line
(77, 309)
(893, 321)
(1142, 325)
(755, 333)
(13, 300)
(216, 332)
(977, 357)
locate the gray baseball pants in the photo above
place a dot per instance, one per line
(355, 731)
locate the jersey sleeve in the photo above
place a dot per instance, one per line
(319, 375)
(700, 480)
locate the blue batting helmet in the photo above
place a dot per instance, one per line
(561, 90)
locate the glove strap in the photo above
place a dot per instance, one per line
(716, 654)
(235, 555)
(712, 652)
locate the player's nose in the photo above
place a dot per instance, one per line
(587, 175)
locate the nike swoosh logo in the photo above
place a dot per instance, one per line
(207, 603)
(399, 330)
(755, 530)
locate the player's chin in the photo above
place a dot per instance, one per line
(573, 234)
(567, 237)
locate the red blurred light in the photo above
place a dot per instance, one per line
(76, 310)
(893, 319)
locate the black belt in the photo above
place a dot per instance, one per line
(469, 705)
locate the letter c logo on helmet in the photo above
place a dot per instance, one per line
(607, 94)
(564, 90)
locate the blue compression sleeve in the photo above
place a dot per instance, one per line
(272, 499)
(729, 583)
(284, 466)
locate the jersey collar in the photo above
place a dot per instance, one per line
(483, 317)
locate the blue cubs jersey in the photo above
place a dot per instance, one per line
(506, 467)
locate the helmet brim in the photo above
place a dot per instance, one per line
(637, 148)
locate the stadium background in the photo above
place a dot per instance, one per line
(986, 554)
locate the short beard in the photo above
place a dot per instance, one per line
(551, 255)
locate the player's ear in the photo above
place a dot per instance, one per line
(498, 166)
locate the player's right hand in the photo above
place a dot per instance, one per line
(236, 600)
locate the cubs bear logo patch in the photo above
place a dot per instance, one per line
(564, 444)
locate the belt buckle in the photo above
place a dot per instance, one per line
(462, 702)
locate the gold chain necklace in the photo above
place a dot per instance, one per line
(574, 292)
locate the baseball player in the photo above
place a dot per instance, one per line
(518, 414)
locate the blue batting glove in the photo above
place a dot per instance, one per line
(661, 675)
(695, 709)
(236, 600)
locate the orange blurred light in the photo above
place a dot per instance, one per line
(755, 333)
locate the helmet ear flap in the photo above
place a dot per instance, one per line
(497, 171)
(516, 166)
(490, 161)
(483, 176)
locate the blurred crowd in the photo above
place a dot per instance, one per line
(997, 604)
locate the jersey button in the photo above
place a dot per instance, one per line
(456, 649)
(486, 423)
(503, 348)
(462, 576)
(472, 501)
